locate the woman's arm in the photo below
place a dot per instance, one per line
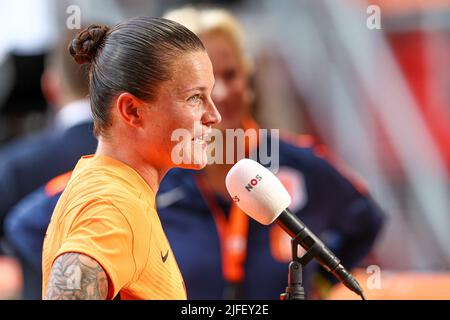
(75, 276)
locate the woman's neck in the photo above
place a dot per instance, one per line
(149, 172)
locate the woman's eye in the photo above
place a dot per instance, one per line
(194, 99)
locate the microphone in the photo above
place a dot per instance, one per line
(262, 196)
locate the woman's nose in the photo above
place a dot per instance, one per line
(212, 115)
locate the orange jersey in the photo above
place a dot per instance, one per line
(108, 213)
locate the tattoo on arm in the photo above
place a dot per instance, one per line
(75, 276)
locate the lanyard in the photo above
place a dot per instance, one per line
(233, 233)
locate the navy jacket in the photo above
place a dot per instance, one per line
(28, 164)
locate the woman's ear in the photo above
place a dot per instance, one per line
(130, 109)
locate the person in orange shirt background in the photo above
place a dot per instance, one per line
(148, 78)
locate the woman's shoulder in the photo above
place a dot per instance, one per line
(103, 184)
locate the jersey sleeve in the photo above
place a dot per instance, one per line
(103, 233)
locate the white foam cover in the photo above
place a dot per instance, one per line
(257, 191)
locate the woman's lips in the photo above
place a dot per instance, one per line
(203, 139)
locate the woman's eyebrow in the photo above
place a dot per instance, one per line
(199, 88)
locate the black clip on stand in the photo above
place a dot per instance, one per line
(295, 290)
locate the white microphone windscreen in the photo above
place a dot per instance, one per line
(257, 191)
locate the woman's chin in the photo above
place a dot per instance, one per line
(197, 162)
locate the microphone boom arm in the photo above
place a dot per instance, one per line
(315, 249)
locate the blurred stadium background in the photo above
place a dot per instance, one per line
(380, 99)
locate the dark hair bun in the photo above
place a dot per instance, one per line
(84, 47)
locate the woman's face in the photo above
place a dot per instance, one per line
(231, 93)
(182, 114)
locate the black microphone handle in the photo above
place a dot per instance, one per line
(290, 223)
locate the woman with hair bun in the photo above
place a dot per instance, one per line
(147, 78)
